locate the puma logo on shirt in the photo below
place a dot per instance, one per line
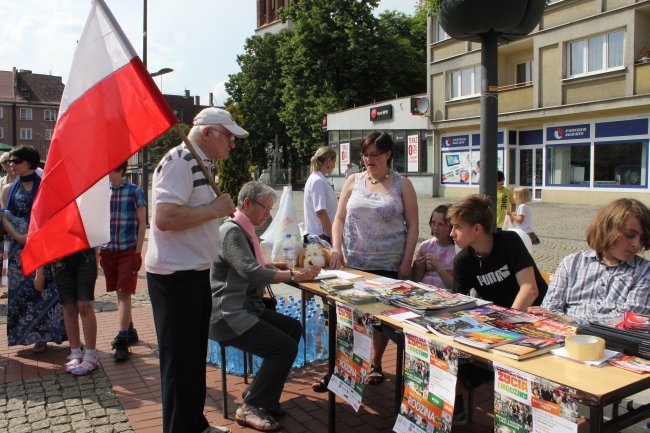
(494, 277)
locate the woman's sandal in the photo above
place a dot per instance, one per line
(256, 418)
(321, 385)
(73, 361)
(39, 347)
(375, 376)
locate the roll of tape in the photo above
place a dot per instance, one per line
(584, 347)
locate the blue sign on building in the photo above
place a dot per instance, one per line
(568, 132)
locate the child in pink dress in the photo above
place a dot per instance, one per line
(434, 259)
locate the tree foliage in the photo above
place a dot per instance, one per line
(159, 147)
(235, 171)
(336, 56)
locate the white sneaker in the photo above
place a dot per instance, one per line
(217, 429)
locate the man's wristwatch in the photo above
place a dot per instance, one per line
(292, 277)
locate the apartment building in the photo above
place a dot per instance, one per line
(268, 18)
(574, 104)
(29, 106)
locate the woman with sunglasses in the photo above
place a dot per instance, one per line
(376, 225)
(34, 314)
(7, 179)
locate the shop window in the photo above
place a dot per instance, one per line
(2, 112)
(620, 164)
(595, 54)
(25, 133)
(465, 83)
(355, 147)
(2, 133)
(399, 154)
(568, 165)
(48, 134)
(333, 137)
(524, 72)
(25, 114)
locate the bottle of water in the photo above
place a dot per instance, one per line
(310, 332)
(257, 363)
(234, 361)
(322, 351)
(288, 251)
(214, 353)
(299, 362)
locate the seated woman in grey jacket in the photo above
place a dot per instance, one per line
(239, 317)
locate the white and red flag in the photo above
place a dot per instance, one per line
(110, 109)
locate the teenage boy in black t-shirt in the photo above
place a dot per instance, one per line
(497, 265)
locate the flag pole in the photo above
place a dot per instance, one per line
(198, 159)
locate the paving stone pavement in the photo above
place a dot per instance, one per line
(62, 403)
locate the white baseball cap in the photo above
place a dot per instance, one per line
(218, 116)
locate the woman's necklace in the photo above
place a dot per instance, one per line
(375, 181)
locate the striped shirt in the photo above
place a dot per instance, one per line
(178, 180)
(588, 290)
(125, 201)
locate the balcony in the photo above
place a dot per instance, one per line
(516, 97)
(642, 78)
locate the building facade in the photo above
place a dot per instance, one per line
(29, 105)
(574, 105)
(268, 18)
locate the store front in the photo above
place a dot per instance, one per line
(413, 153)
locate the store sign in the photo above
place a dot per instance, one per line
(569, 132)
(455, 141)
(413, 143)
(344, 152)
(383, 112)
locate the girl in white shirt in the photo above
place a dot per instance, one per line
(319, 198)
(522, 217)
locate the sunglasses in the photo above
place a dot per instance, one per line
(16, 161)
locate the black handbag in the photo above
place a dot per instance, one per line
(270, 301)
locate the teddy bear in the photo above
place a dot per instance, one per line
(314, 255)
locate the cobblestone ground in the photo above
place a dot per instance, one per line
(62, 403)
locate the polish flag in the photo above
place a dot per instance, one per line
(110, 109)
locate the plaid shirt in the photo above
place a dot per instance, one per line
(125, 201)
(588, 290)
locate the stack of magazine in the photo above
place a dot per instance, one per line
(507, 332)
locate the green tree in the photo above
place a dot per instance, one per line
(258, 95)
(159, 147)
(235, 171)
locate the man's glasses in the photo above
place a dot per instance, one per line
(268, 209)
(16, 161)
(228, 135)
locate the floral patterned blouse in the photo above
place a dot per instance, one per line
(374, 233)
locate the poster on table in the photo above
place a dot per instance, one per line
(344, 149)
(413, 162)
(353, 336)
(430, 370)
(525, 403)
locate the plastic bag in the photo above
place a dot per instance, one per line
(285, 221)
(508, 224)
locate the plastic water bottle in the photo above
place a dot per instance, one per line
(257, 363)
(322, 352)
(299, 362)
(234, 361)
(288, 251)
(214, 353)
(310, 332)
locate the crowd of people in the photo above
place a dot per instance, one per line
(200, 260)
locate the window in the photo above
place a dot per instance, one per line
(48, 134)
(178, 112)
(466, 82)
(568, 165)
(598, 53)
(441, 34)
(524, 72)
(49, 115)
(2, 112)
(2, 133)
(25, 114)
(620, 164)
(25, 133)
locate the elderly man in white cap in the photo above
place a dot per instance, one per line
(183, 243)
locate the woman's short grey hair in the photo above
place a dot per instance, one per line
(253, 190)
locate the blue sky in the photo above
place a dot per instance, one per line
(200, 40)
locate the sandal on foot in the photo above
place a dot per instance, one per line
(39, 347)
(89, 363)
(321, 385)
(73, 360)
(256, 418)
(375, 376)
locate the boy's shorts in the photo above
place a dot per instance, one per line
(120, 269)
(75, 277)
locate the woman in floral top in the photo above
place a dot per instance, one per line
(376, 225)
